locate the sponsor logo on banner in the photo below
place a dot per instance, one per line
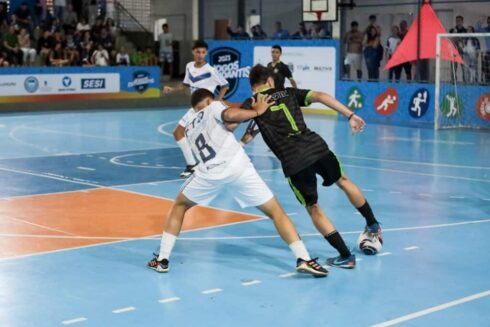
(93, 83)
(141, 81)
(227, 62)
(419, 103)
(355, 99)
(386, 102)
(31, 84)
(483, 107)
(451, 105)
(66, 81)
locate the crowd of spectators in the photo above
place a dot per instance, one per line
(62, 37)
(316, 30)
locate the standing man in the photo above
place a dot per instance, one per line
(280, 69)
(166, 52)
(406, 67)
(353, 41)
(485, 67)
(304, 154)
(198, 75)
(459, 43)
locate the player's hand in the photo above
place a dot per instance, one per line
(356, 124)
(167, 89)
(262, 103)
(246, 138)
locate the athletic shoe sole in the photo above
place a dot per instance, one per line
(305, 269)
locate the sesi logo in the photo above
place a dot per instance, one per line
(93, 83)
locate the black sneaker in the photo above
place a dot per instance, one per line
(189, 170)
(158, 266)
(311, 267)
(347, 262)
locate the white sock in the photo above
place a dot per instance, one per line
(166, 245)
(186, 150)
(300, 250)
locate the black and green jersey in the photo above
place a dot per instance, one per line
(284, 130)
(281, 72)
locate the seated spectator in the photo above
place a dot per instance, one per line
(57, 57)
(122, 57)
(97, 29)
(318, 31)
(110, 26)
(240, 33)
(258, 33)
(280, 33)
(29, 53)
(100, 57)
(11, 44)
(71, 50)
(4, 60)
(137, 58)
(70, 19)
(106, 40)
(149, 57)
(302, 32)
(83, 26)
(22, 17)
(56, 26)
(86, 54)
(44, 45)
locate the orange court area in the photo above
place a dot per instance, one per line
(51, 222)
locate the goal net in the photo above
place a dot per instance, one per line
(462, 89)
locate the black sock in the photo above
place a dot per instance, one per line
(367, 213)
(337, 242)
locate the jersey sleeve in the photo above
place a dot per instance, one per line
(217, 108)
(187, 80)
(303, 96)
(218, 78)
(287, 72)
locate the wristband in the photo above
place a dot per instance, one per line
(351, 115)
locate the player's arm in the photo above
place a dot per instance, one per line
(222, 92)
(356, 123)
(293, 82)
(250, 132)
(237, 115)
(290, 77)
(179, 88)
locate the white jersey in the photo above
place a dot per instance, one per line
(204, 77)
(219, 153)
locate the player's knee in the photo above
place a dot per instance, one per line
(342, 182)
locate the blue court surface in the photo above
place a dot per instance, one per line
(430, 190)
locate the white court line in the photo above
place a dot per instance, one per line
(383, 254)
(37, 225)
(411, 248)
(287, 275)
(412, 139)
(457, 197)
(367, 190)
(161, 128)
(73, 321)
(395, 192)
(170, 299)
(486, 199)
(211, 291)
(251, 282)
(123, 310)
(432, 309)
(102, 158)
(425, 195)
(85, 168)
(115, 161)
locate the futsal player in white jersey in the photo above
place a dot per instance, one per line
(224, 166)
(198, 75)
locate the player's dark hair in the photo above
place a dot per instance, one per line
(200, 95)
(354, 23)
(259, 75)
(278, 47)
(372, 17)
(459, 17)
(164, 25)
(200, 44)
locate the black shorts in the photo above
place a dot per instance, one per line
(304, 183)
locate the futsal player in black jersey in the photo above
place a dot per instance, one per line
(281, 70)
(304, 154)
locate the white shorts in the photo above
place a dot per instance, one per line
(247, 188)
(354, 60)
(187, 118)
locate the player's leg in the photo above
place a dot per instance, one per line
(250, 190)
(173, 227)
(304, 186)
(179, 135)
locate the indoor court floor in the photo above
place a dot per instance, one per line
(84, 195)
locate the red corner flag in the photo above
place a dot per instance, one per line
(430, 27)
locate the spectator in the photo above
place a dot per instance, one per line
(97, 29)
(86, 52)
(92, 12)
(59, 8)
(11, 44)
(353, 41)
(166, 52)
(40, 12)
(82, 25)
(391, 44)
(485, 69)
(240, 33)
(44, 45)
(258, 33)
(471, 52)
(72, 54)
(407, 66)
(57, 57)
(106, 40)
(29, 53)
(318, 31)
(22, 17)
(458, 42)
(70, 19)
(149, 58)
(3, 14)
(372, 23)
(56, 26)
(122, 57)
(100, 57)
(280, 33)
(138, 57)
(373, 53)
(110, 26)
(4, 60)
(302, 32)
